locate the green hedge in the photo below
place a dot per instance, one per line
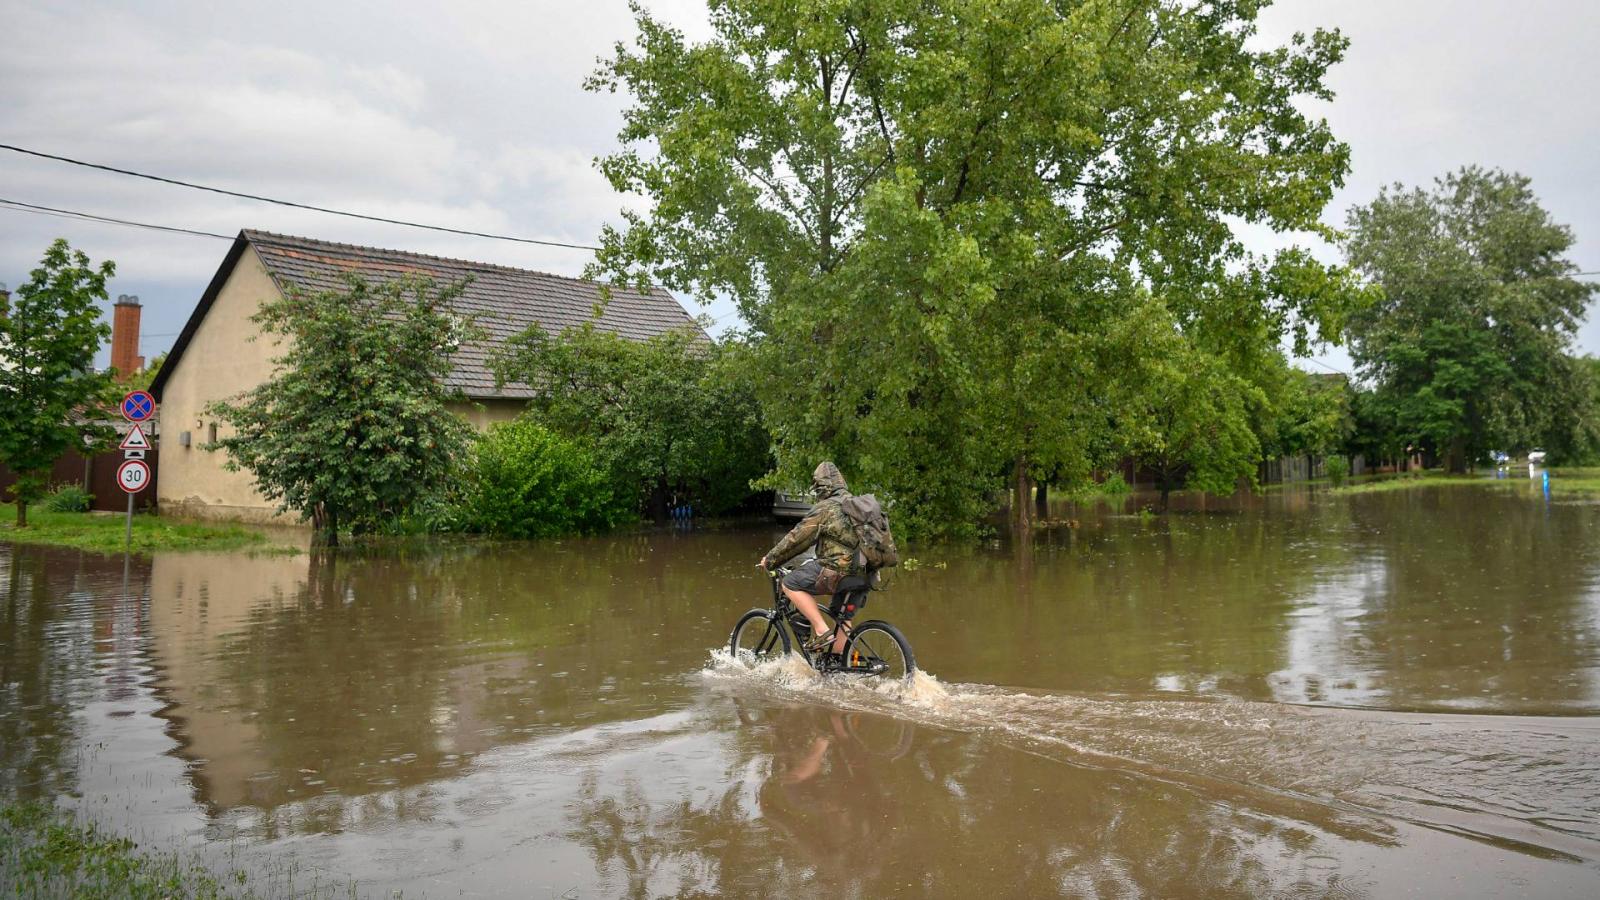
(525, 481)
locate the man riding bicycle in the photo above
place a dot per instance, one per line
(834, 568)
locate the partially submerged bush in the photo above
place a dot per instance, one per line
(526, 481)
(1114, 485)
(1338, 468)
(68, 498)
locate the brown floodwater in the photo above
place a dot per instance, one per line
(1294, 694)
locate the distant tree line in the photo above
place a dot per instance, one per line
(1469, 348)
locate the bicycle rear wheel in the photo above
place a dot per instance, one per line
(879, 649)
(759, 636)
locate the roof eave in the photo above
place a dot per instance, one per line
(170, 364)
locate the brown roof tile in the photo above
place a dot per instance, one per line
(501, 300)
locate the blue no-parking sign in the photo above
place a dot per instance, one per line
(138, 406)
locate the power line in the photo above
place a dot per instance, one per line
(290, 203)
(18, 206)
(1325, 365)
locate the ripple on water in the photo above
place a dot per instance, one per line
(1518, 781)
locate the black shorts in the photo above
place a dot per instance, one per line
(847, 592)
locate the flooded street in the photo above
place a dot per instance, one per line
(1294, 694)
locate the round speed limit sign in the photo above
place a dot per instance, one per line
(133, 475)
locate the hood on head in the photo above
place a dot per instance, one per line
(827, 480)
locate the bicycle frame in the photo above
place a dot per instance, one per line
(784, 608)
(863, 660)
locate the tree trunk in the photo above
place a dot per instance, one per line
(22, 513)
(1041, 501)
(1022, 500)
(658, 501)
(1166, 491)
(325, 522)
(1458, 456)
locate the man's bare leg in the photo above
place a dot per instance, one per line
(807, 605)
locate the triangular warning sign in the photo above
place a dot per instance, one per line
(136, 439)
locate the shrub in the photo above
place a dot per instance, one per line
(527, 481)
(1114, 485)
(68, 498)
(1338, 468)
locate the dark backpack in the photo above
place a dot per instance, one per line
(875, 547)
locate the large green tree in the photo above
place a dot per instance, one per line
(354, 428)
(1307, 414)
(1468, 351)
(934, 213)
(672, 416)
(1574, 436)
(1185, 415)
(50, 330)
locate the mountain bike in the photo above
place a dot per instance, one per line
(874, 648)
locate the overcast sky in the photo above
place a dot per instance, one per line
(474, 116)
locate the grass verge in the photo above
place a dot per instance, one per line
(43, 853)
(104, 533)
(47, 852)
(1576, 480)
(1409, 482)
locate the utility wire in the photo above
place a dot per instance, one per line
(1325, 365)
(19, 206)
(321, 209)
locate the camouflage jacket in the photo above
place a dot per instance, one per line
(826, 527)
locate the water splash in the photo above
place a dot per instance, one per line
(787, 671)
(791, 672)
(922, 689)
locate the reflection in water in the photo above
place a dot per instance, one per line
(1111, 718)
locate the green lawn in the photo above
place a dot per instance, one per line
(1583, 481)
(103, 532)
(1408, 481)
(44, 853)
(49, 853)
(1576, 481)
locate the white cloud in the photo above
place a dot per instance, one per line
(473, 115)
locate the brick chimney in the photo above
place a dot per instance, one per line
(125, 356)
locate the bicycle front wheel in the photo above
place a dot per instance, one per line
(879, 649)
(758, 637)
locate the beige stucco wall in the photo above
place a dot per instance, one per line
(221, 361)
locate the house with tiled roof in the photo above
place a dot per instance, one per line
(218, 355)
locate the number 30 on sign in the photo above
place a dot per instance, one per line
(133, 475)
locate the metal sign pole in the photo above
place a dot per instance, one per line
(128, 537)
